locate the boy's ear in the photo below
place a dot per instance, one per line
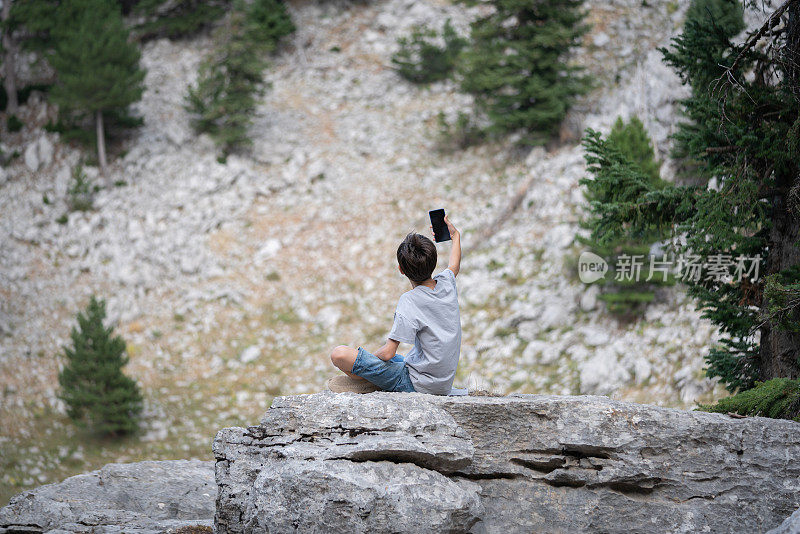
(401, 270)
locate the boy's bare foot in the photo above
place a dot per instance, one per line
(342, 383)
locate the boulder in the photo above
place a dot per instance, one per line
(139, 498)
(602, 373)
(341, 496)
(790, 526)
(39, 154)
(408, 462)
(46, 150)
(588, 300)
(31, 157)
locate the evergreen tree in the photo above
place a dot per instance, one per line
(518, 69)
(722, 20)
(421, 60)
(174, 19)
(728, 15)
(97, 67)
(33, 21)
(9, 59)
(94, 387)
(719, 21)
(628, 295)
(38, 22)
(743, 128)
(632, 140)
(230, 79)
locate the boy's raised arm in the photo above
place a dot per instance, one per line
(455, 252)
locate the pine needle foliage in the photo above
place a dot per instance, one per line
(36, 19)
(96, 391)
(422, 59)
(231, 78)
(727, 15)
(627, 298)
(518, 65)
(633, 141)
(177, 19)
(97, 66)
(742, 128)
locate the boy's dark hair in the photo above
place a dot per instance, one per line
(417, 257)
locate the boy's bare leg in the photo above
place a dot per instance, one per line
(344, 358)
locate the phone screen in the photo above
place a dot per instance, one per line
(440, 231)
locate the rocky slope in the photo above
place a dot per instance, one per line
(388, 462)
(231, 281)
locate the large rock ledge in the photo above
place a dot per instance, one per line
(136, 498)
(389, 462)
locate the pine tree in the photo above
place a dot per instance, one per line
(230, 79)
(626, 297)
(175, 19)
(728, 15)
(421, 59)
(97, 67)
(743, 128)
(9, 59)
(34, 20)
(632, 140)
(40, 21)
(94, 387)
(518, 65)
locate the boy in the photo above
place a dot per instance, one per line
(426, 316)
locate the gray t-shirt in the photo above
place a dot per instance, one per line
(429, 319)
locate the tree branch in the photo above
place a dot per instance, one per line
(751, 41)
(722, 149)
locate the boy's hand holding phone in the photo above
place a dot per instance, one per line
(439, 227)
(451, 228)
(443, 230)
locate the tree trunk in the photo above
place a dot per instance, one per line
(780, 350)
(791, 52)
(101, 143)
(9, 71)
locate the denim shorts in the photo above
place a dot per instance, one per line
(389, 375)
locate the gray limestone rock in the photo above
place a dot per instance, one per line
(540, 464)
(296, 495)
(142, 498)
(790, 526)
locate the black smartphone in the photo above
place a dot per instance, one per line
(440, 231)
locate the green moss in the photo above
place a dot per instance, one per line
(778, 398)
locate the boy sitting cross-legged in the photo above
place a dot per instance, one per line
(427, 317)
